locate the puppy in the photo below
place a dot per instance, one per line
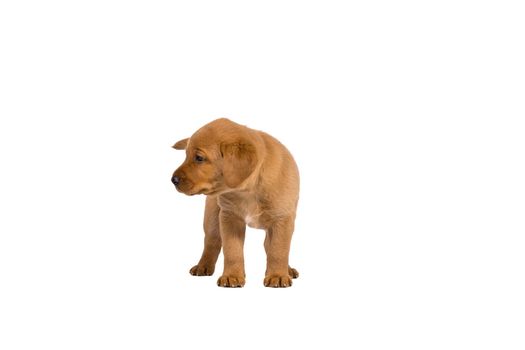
(251, 179)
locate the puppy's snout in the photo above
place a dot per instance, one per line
(175, 180)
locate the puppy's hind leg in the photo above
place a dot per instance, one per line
(212, 240)
(293, 272)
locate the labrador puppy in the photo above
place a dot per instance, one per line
(249, 178)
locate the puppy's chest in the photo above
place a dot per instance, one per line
(245, 207)
(253, 220)
(252, 214)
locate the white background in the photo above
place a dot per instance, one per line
(405, 118)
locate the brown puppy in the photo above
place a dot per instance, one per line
(251, 179)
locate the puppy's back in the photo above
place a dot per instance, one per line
(279, 173)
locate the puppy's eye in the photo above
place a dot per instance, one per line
(199, 159)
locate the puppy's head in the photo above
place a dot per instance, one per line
(220, 156)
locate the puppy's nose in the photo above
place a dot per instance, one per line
(175, 180)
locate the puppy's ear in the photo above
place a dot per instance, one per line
(181, 144)
(239, 161)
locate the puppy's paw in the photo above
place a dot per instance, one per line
(202, 270)
(293, 272)
(231, 281)
(278, 281)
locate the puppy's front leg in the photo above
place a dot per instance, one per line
(212, 240)
(277, 246)
(232, 233)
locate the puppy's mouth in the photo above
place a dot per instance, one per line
(190, 189)
(184, 189)
(210, 192)
(205, 191)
